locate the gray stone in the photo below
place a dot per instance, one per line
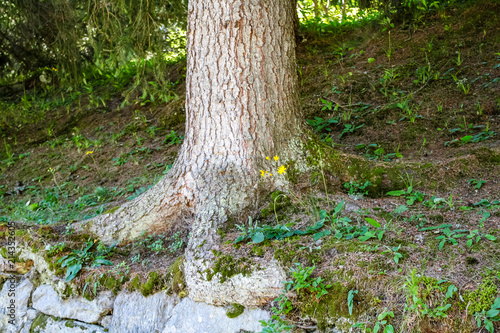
(47, 324)
(191, 317)
(48, 301)
(17, 294)
(134, 313)
(30, 315)
(106, 321)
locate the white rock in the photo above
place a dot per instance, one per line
(191, 317)
(106, 321)
(50, 325)
(134, 313)
(17, 294)
(46, 300)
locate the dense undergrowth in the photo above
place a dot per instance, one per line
(396, 230)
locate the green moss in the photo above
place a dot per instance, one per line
(258, 250)
(68, 291)
(331, 306)
(39, 324)
(48, 233)
(482, 298)
(3, 252)
(111, 210)
(175, 276)
(228, 266)
(235, 310)
(70, 323)
(135, 284)
(151, 284)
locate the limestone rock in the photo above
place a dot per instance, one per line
(17, 294)
(253, 290)
(191, 317)
(47, 324)
(46, 300)
(30, 315)
(134, 313)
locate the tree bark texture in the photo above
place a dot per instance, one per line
(242, 105)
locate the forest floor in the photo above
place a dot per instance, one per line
(421, 97)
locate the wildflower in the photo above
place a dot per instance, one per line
(267, 157)
(282, 170)
(262, 173)
(276, 158)
(89, 152)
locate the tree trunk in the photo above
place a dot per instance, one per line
(242, 105)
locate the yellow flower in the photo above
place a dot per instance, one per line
(89, 152)
(267, 157)
(282, 169)
(262, 173)
(276, 158)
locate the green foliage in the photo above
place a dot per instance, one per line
(173, 138)
(260, 233)
(350, 300)
(427, 296)
(78, 258)
(302, 282)
(382, 322)
(411, 195)
(355, 188)
(477, 183)
(486, 318)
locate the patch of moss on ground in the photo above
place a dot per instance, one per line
(482, 298)
(330, 307)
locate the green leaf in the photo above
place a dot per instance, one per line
(373, 222)
(72, 271)
(396, 193)
(320, 234)
(389, 329)
(496, 304)
(469, 243)
(492, 313)
(367, 236)
(401, 209)
(488, 325)
(451, 290)
(258, 238)
(239, 239)
(99, 261)
(442, 244)
(490, 237)
(466, 138)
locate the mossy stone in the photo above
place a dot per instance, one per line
(39, 324)
(235, 310)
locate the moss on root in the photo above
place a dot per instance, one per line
(227, 266)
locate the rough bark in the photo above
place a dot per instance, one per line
(242, 105)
